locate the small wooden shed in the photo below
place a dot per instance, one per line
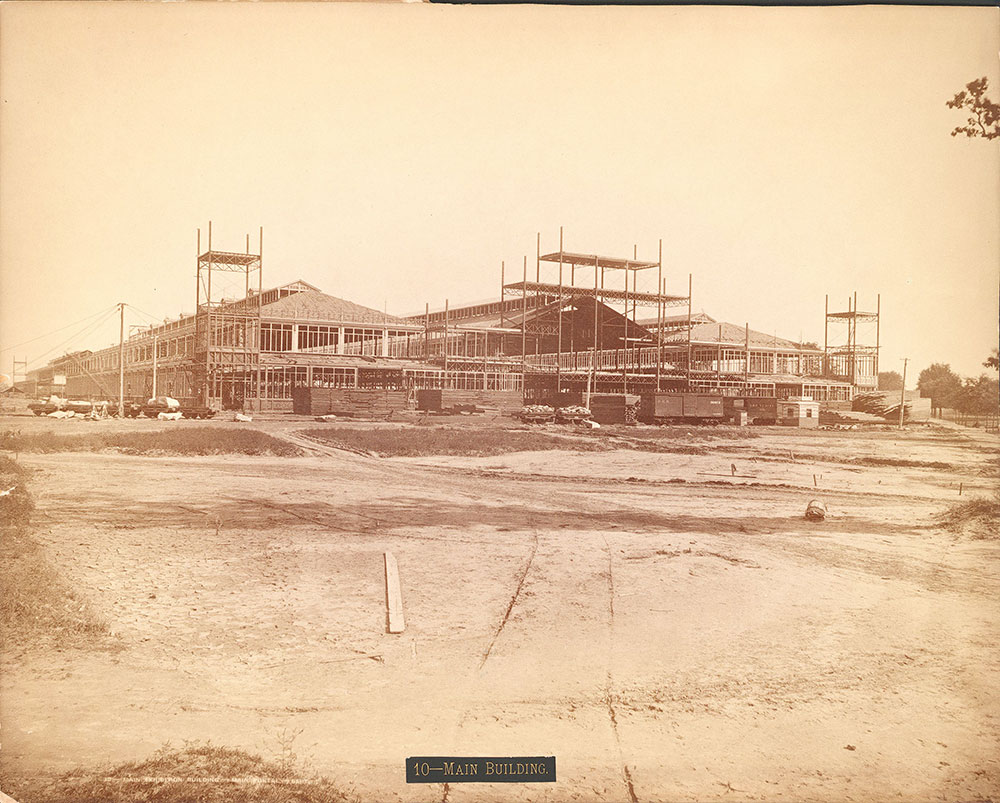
(798, 411)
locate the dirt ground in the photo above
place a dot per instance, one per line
(665, 640)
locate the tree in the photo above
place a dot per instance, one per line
(890, 380)
(984, 114)
(978, 396)
(993, 361)
(939, 383)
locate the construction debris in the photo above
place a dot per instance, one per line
(877, 404)
(393, 598)
(537, 413)
(573, 414)
(816, 510)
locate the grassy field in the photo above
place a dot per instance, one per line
(36, 604)
(487, 442)
(187, 441)
(416, 442)
(978, 518)
(197, 772)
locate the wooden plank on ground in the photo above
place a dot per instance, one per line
(393, 599)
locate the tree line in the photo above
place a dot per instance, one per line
(973, 396)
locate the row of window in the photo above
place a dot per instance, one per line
(279, 383)
(316, 337)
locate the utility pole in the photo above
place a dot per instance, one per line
(902, 393)
(121, 362)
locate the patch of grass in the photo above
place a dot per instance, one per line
(875, 462)
(691, 433)
(182, 441)
(37, 606)
(979, 518)
(15, 501)
(465, 441)
(197, 772)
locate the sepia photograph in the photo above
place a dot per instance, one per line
(442, 403)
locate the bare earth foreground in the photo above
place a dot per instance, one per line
(665, 640)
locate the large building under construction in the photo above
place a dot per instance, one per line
(580, 326)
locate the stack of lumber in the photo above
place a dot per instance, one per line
(882, 404)
(886, 404)
(348, 402)
(502, 400)
(848, 417)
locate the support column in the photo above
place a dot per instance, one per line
(593, 360)
(502, 266)
(878, 319)
(659, 314)
(746, 367)
(446, 340)
(718, 360)
(524, 327)
(559, 326)
(689, 333)
(826, 329)
(624, 351)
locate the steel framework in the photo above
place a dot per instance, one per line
(562, 292)
(228, 335)
(851, 359)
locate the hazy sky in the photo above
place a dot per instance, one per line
(395, 154)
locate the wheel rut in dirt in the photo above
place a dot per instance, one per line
(513, 600)
(609, 681)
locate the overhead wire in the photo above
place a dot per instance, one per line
(60, 329)
(143, 312)
(88, 329)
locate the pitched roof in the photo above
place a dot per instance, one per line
(735, 335)
(676, 320)
(317, 306)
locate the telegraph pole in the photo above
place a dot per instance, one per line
(121, 362)
(902, 393)
(156, 340)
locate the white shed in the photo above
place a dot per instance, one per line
(798, 411)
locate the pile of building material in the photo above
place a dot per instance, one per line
(848, 418)
(572, 414)
(537, 413)
(884, 405)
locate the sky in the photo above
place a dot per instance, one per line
(396, 154)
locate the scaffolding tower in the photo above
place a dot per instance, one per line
(228, 331)
(851, 359)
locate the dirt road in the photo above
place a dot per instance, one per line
(668, 632)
